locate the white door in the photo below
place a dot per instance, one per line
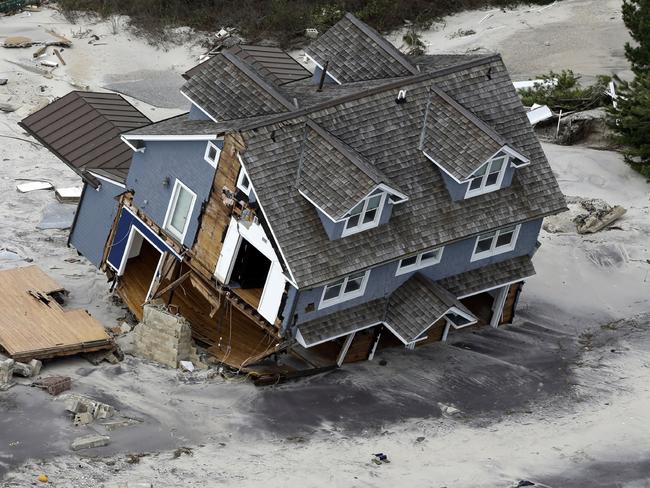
(272, 293)
(228, 253)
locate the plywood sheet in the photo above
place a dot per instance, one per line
(34, 325)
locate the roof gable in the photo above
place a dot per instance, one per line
(356, 52)
(83, 130)
(334, 177)
(226, 89)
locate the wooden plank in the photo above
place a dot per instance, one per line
(172, 285)
(31, 326)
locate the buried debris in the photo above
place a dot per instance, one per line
(90, 441)
(33, 185)
(53, 384)
(599, 215)
(68, 195)
(79, 405)
(380, 458)
(183, 450)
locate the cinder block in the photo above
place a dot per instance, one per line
(90, 441)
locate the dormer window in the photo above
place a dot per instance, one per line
(488, 177)
(243, 183)
(365, 215)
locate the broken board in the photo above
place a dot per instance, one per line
(34, 326)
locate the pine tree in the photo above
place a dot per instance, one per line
(636, 16)
(631, 122)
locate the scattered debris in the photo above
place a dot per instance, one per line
(420, 439)
(79, 404)
(134, 458)
(380, 458)
(41, 51)
(17, 42)
(57, 53)
(521, 85)
(187, 365)
(6, 374)
(50, 64)
(311, 33)
(43, 478)
(183, 450)
(33, 185)
(117, 424)
(599, 215)
(82, 418)
(7, 107)
(53, 384)
(539, 113)
(68, 195)
(3, 81)
(462, 33)
(28, 370)
(90, 441)
(57, 216)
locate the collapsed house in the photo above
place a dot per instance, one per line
(378, 200)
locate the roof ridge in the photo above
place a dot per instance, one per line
(480, 124)
(382, 43)
(249, 71)
(348, 152)
(405, 81)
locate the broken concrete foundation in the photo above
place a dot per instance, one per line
(90, 441)
(6, 374)
(164, 338)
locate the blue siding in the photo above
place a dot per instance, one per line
(287, 311)
(128, 220)
(455, 260)
(181, 160)
(197, 114)
(457, 190)
(334, 230)
(95, 215)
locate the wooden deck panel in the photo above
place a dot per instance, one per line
(31, 328)
(252, 296)
(216, 216)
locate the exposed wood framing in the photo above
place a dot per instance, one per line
(173, 285)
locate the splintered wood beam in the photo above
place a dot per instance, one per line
(173, 285)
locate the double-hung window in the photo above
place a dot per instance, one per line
(365, 215)
(212, 153)
(488, 177)
(180, 208)
(419, 261)
(352, 286)
(496, 242)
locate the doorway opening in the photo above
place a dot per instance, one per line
(249, 273)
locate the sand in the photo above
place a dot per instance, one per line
(559, 398)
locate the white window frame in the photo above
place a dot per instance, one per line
(369, 225)
(172, 206)
(418, 262)
(342, 296)
(240, 181)
(484, 188)
(494, 251)
(206, 156)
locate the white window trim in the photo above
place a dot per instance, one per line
(240, 179)
(369, 225)
(418, 263)
(172, 204)
(214, 163)
(344, 297)
(494, 251)
(496, 186)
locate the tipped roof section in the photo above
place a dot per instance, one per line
(83, 130)
(357, 52)
(272, 63)
(333, 176)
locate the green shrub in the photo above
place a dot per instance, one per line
(563, 91)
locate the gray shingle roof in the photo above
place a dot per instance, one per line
(489, 276)
(388, 135)
(357, 52)
(227, 92)
(333, 176)
(417, 304)
(454, 139)
(272, 63)
(181, 125)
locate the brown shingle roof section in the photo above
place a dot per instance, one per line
(456, 141)
(226, 92)
(333, 176)
(388, 135)
(83, 130)
(357, 52)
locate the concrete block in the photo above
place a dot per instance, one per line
(74, 405)
(6, 371)
(90, 441)
(83, 418)
(28, 370)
